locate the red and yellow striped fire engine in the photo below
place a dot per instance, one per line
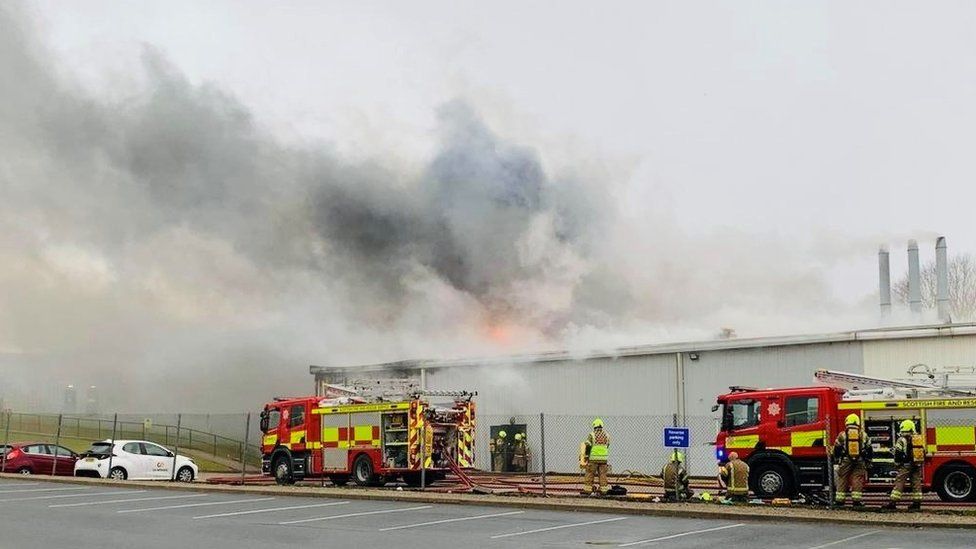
(371, 441)
(785, 434)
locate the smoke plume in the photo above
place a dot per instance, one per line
(165, 247)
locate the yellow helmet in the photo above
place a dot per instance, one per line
(678, 456)
(597, 423)
(853, 419)
(518, 436)
(908, 426)
(502, 434)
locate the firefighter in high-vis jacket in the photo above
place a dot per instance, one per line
(675, 476)
(735, 475)
(520, 454)
(909, 452)
(499, 452)
(594, 452)
(852, 452)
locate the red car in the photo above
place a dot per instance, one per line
(37, 458)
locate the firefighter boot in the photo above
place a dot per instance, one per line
(890, 506)
(915, 506)
(857, 503)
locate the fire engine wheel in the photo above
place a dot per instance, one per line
(282, 471)
(362, 471)
(956, 483)
(770, 480)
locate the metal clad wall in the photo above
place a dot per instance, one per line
(783, 366)
(604, 386)
(891, 358)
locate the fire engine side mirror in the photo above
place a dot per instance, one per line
(715, 407)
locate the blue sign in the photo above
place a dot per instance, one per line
(677, 437)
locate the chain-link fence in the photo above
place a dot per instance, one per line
(636, 443)
(218, 443)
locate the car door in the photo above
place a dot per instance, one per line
(135, 462)
(160, 461)
(66, 460)
(40, 458)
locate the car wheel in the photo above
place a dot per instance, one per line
(362, 470)
(25, 471)
(118, 473)
(282, 471)
(771, 480)
(339, 480)
(185, 474)
(956, 483)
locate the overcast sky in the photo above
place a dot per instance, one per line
(772, 145)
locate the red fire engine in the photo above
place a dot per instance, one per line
(370, 440)
(785, 434)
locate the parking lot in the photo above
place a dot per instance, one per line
(39, 514)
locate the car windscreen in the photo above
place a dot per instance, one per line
(99, 448)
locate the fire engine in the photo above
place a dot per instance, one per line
(785, 435)
(350, 434)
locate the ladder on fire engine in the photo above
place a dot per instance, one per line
(860, 386)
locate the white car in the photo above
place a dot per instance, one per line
(135, 460)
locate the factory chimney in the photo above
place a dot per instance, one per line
(942, 279)
(914, 283)
(884, 281)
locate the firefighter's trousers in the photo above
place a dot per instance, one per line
(851, 475)
(599, 470)
(912, 476)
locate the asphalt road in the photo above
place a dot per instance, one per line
(44, 515)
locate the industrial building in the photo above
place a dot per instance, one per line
(650, 386)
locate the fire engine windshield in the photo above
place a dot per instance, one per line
(740, 414)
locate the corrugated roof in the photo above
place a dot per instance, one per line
(874, 334)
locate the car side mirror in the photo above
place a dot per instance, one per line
(170, 454)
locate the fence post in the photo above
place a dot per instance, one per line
(99, 423)
(176, 450)
(6, 441)
(542, 444)
(828, 445)
(57, 441)
(247, 431)
(215, 445)
(190, 443)
(166, 435)
(111, 450)
(78, 427)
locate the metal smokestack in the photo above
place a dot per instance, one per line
(884, 281)
(942, 279)
(914, 284)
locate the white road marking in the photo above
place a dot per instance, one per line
(845, 540)
(250, 500)
(43, 490)
(5, 485)
(333, 517)
(681, 535)
(271, 510)
(86, 495)
(109, 501)
(419, 524)
(560, 527)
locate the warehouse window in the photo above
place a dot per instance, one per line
(802, 410)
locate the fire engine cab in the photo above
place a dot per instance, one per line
(786, 435)
(346, 434)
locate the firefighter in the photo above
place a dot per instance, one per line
(735, 476)
(675, 478)
(593, 456)
(852, 452)
(909, 453)
(499, 449)
(520, 454)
